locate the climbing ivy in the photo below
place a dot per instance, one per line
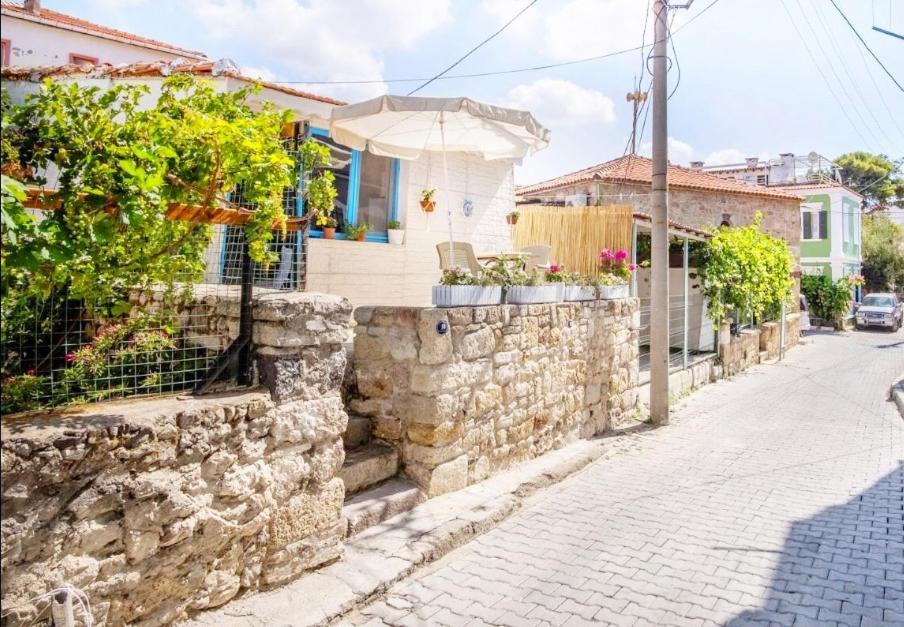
(746, 269)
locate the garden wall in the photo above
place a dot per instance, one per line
(161, 507)
(770, 335)
(466, 392)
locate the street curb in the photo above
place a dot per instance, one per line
(384, 554)
(896, 394)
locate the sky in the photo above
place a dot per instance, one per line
(757, 77)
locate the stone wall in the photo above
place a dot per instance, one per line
(741, 352)
(162, 507)
(770, 335)
(466, 392)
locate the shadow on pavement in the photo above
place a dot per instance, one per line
(843, 565)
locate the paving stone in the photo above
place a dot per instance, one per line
(772, 498)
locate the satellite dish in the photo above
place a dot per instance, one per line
(813, 158)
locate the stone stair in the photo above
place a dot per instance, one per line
(373, 491)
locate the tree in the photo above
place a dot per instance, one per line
(747, 270)
(883, 252)
(876, 177)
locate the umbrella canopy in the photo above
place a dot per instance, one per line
(404, 127)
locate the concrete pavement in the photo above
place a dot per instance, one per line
(773, 498)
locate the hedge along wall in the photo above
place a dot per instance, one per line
(466, 392)
(161, 507)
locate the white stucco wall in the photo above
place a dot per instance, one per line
(33, 44)
(373, 273)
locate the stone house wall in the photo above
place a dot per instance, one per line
(162, 507)
(466, 392)
(741, 352)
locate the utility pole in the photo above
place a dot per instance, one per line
(635, 97)
(659, 257)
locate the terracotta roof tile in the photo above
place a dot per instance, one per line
(152, 68)
(636, 169)
(69, 22)
(808, 185)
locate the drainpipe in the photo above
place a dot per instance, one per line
(686, 301)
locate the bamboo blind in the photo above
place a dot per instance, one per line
(576, 234)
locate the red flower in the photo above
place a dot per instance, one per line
(632, 267)
(556, 267)
(31, 372)
(70, 358)
(621, 255)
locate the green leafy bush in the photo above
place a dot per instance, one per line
(828, 301)
(747, 270)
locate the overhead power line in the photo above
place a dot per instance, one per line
(520, 70)
(475, 48)
(865, 45)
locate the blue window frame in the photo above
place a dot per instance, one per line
(354, 186)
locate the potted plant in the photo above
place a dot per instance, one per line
(327, 224)
(395, 232)
(526, 288)
(427, 202)
(460, 288)
(512, 218)
(357, 232)
(582, 288)
(615, 270)
(556, 275)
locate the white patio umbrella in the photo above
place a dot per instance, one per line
(405, 127)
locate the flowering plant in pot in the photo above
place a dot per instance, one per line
(395, 232)
(615, 271)
(563, 280)
(524, 288)
(328, 224)
(460, 288)
(357, 232)
(427, 202)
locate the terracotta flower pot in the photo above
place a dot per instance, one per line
(329, 232)
(361, 237)
(428, 205)
(511, 219)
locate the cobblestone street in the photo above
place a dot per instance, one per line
(773, 498)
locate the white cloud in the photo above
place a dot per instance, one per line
(680, 153)
(562, 103)
(323, 39)
(504, 10)
(732, 155)
(262, 73)
(583, 28)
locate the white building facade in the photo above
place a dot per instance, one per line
(38, 36)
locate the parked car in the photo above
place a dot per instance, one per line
(881, 310)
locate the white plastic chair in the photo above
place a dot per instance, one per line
(462, 256)
(539, 256)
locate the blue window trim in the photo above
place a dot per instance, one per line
(354, 187)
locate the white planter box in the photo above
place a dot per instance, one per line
(579, 292)
(609, 292)
(531, 294)
(466, 295)
(397, 237)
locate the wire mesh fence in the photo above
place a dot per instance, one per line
(59, 350)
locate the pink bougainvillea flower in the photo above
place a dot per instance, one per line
(621, 255)
(70, 358)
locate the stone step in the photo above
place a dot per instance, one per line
(368, 465)
(357, 433)
(379, 503)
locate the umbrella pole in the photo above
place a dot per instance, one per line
(442, 137)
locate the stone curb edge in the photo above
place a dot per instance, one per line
(896, 394)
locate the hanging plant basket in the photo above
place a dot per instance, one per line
(466, 295)
(511, 219)
(428, 205)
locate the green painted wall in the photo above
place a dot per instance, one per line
(819, 248)
(826, 268)
(850, 208)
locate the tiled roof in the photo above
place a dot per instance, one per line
(68, 22)
(674, 226)
(636, 169)
(152, 68)
(820, 184)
